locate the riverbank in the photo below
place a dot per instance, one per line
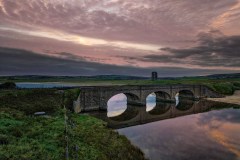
(224, 86)
(234, 99)
(25, 136)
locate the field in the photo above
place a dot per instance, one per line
(225, 84)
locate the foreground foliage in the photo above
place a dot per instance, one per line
(95, 141)
(24, 136)
(30, 101)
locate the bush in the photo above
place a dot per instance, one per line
(236, 85)
(224, 88)
(70, 96)
(4, 139)
(8, 85)
(31, 101)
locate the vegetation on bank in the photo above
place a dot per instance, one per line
(30, 101)
(222, 84)
(25, 136)
(8, 85)
(70, 95)
(93, 140)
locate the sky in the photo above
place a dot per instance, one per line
(121, 37)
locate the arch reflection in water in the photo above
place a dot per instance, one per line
(116, 105)
(184, 104)
(137, 115)
(119, 103)
(160, 108)
(163, 111)
(157, 98)
(130, 113)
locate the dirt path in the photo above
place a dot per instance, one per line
(234, 99)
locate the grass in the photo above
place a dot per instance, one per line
(224, 85)
(31, 137)
(24, 136)
(32, 100)
(95, 141)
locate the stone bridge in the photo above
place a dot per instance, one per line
(96, 97)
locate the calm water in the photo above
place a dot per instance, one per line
(188, 131)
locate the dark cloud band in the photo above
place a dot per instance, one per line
(23, 62)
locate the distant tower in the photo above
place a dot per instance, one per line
(154, 76)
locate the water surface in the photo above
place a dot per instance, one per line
(191, 130)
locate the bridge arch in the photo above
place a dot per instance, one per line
(117, 103)
(159, 96)
(156, 99)
(186, 94)
(162, 96)
(150, 101)
(131, 98)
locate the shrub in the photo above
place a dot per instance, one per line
(224, 88)
(8, 85)
(236, 84)
(4, 139)
(30, 101)
(70, 96)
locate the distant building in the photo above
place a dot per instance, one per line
(154, 76)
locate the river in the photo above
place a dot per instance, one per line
(196, 130)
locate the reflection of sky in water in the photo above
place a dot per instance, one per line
(209, 135)
(118, 104)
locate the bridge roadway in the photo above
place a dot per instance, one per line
(93, 98)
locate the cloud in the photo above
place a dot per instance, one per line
(216, 119)
(156, 22)
(214, 50)
(211, 51)
(18, 62)
(23, 62)
(127, 32)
